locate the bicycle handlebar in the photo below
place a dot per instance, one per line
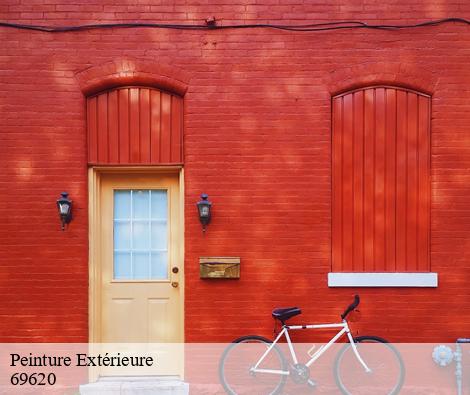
(351, 307)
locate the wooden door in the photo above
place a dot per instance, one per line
(140, 292)
(137, 294)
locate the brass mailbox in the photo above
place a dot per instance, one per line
(219, 267)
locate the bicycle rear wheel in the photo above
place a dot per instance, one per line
(387, 369)
(240, 357)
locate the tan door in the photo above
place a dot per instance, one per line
(141, 268)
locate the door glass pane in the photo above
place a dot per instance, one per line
(122, 231)
(159, 235)
(140, 228)
(122, 204)
(140, 204)
(158, 265)
(159, 205)
(141, 265)
(122, 265)
(140, 235)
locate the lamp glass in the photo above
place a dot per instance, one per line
(204, 211)
(64, 208)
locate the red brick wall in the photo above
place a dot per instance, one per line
(257, 140)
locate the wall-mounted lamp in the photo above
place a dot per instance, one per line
(64, 205)
(204, 209)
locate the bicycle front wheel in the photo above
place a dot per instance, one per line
(387, 370)
(236, 372)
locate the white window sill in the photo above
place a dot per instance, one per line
(382, 280)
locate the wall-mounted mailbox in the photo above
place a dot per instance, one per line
(219, 267)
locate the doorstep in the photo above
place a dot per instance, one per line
(135, 386)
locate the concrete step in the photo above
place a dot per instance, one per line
(135, 386)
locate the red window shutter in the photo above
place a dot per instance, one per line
(381, 181)
(135, 126)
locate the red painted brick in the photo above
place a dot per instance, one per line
(257, 140)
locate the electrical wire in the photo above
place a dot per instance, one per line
(314, 27)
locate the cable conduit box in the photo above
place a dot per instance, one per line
(219, 267)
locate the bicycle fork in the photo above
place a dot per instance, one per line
(356, 352)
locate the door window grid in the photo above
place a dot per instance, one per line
(140, 237)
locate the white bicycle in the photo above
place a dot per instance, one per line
(256, 365)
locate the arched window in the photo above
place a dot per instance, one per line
(381, 186)
(135, 125)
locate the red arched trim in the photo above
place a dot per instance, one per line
(135, 126)
(134, 72)
(398, 88)
(413, 77)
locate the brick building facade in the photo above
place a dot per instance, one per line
(257, 138)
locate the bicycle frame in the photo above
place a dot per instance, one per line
(344, 329)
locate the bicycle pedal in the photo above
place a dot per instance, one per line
(311, 383)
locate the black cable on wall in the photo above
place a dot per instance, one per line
(314, 27)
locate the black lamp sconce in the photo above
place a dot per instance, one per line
(204, 210)
(64, 205)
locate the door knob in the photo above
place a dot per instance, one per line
(174, 284)
(175, 270)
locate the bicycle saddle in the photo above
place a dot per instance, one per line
(285, 313)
